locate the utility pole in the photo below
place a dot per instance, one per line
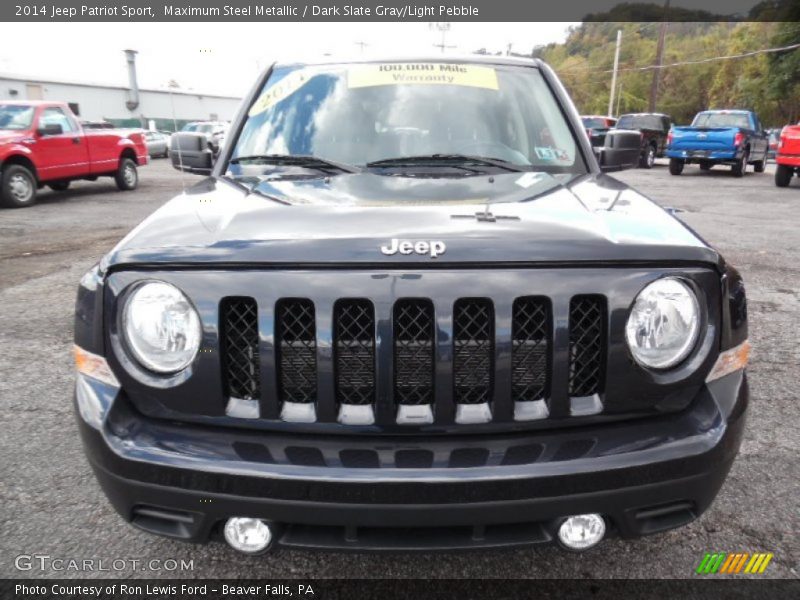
(361, 45)
(659, 61)
(614, 75)
(443, 28)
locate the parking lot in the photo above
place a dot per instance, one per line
(52, 505)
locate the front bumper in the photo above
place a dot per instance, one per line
(447, 492)
(788, 160)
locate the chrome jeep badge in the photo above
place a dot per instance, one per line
(434, 248)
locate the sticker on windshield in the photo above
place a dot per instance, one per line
(551, 154)
(422, 74)
(281, 90)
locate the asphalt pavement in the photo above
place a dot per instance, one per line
(51, 505)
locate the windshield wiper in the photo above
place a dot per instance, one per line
(456, 159)
(296, 160)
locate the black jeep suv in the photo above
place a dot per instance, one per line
(408, 310)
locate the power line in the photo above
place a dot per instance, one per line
(687, 62)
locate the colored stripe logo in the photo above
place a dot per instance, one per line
(734, 563)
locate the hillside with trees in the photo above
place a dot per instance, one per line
(766, 83)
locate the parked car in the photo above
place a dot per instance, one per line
(773, 136)
(157, 144)
(214, 131)
(719, 137)
(788, 157)
(42, 143)
(419, 325)
(654, 128)
(597, 127)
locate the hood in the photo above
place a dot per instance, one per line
(319, 221)
(8, 136)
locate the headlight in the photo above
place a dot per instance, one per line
(161, 327)
(664, 324)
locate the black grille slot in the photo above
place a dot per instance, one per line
(240, 365)
(413, 351)
(587, 344)
(296, 337)
(530, 350)
(354, 339)
(473, 350)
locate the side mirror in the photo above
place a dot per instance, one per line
(621, 150)
(190, 153)
(51, 129)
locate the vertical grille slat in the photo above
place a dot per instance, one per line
(587, 344)
(240, 358)
(473, 350)
(296, 344)
(413, 351)
(530, 350)
(354, 343)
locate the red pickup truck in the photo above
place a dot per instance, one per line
(788, 155)
(42, 143)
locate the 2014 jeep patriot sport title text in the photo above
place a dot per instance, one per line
(408, 310)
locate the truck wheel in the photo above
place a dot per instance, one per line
(18, 187)
(760, 165)
(675, 166)
(783, 175)
(127, 176)
(705, 166)
(58, 186)
(740, 167)
(648, 159)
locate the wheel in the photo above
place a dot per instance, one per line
(127, 176)
(18, 187)
(705, 166)
(675, 166)
(58, 186)
(760, 165)
(740, 167)
(648, 159)
(783, 175)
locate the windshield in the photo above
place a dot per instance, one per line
(640, 122)
(363, 113)
(15, 117)
(722, 120)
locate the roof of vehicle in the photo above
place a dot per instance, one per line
(598, 117)
(736, 111)
(644, 114)
(487, 59)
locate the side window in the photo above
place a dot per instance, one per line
(56, 116)
(665, 125)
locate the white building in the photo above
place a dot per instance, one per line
(124, 106)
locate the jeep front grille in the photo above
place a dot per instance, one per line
(481, 382)
(354, 349)
(414, 334)
(240, 363)
(296, 347)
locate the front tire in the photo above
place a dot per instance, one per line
(760, 165)
(675, 166)
(18, 187)
(783, 175)
(127, 176)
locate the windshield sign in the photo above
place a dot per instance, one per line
(372, 116)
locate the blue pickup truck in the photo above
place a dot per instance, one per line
(719, 137)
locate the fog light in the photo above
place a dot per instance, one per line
(251, 536)
(581, 532)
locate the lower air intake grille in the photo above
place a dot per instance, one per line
(239, 326)
(413, 351)
(296, 340)
(530, 349)
(473, 350)
(587, 342)
(354, 339)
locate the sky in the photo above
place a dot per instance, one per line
(224, 58)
